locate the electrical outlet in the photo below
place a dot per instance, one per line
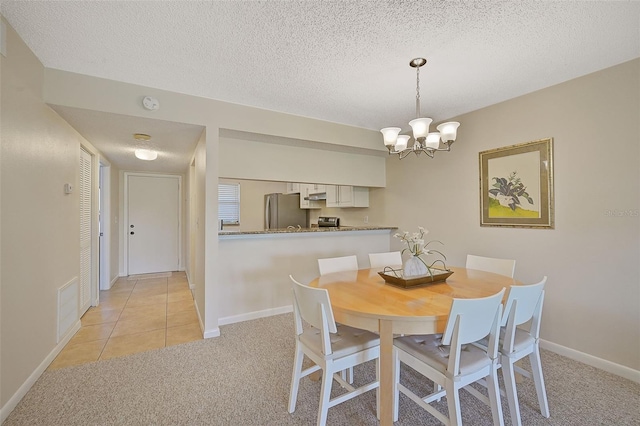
(366, 219)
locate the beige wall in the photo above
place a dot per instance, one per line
(250, 159)
(40, 223)
(198, 220)
(592, 303)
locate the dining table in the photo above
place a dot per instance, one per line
(363, 299)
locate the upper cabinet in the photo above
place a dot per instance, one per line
(347, 196)
(315, 188)
(293, 188)
(305, 191)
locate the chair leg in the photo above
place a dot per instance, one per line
(437, 388)
(325, 394)
(378, 389)
(509, 376)
(494, 398)
(295, 379)
(396, 380)
(453, 403)
(347, 375)
(538, 380)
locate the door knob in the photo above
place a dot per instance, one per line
(130, 226)
(132, 232)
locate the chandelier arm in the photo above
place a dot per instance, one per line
(404, 153)
(429, 152)
(447, 149)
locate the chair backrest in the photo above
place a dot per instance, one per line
(337, 264)
(524, 303)
(475, 316)
(313, 306)
(469, 321)
(490, 264)
(380, 260)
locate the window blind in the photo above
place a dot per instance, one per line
(229, 203)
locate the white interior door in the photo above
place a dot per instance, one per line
(85, 230)
(153, 204)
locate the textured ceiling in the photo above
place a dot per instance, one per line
(341, 61)
(112, 134)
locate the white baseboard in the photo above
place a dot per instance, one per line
(191, 285)
(602, 364)
(212, 333)
(22, 391)
(255, 315)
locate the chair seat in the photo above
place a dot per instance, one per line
(346, 341)
(429, 350)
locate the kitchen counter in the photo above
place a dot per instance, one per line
(224, 233)
(254, 266)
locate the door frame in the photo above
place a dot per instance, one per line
(104, 219)
(125, 220)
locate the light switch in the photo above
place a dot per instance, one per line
(68, 189)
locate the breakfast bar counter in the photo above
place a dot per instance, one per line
(292, 230)
(254, 266)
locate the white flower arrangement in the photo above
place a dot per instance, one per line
(417, 247)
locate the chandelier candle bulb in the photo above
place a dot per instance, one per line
(420, 127)
(402, 142)
(448, 131)
(433, 140)
(390, 135)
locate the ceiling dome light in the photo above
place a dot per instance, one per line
(146, 154)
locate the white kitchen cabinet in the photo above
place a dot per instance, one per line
(347, 196)
(292, 188)
(317, 188)
(305, 191)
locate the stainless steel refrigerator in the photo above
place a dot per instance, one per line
(282, 210)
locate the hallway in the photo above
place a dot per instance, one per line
(135, 315)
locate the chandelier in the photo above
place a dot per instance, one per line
(424, 141)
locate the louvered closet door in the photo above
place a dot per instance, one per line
(85, 231)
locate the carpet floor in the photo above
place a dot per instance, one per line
(243, 378)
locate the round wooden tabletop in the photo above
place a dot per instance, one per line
(361, 298)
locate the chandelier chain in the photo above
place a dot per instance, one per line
(417, 92)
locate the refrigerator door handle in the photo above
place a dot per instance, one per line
(267, 219)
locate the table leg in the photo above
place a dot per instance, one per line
(386, 373)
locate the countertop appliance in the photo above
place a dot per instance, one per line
(282, 210)
(328, 221)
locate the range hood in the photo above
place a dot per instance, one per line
(317, 197)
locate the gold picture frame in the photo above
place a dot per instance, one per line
(516, 185)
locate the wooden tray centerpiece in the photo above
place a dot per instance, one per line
(395, 277)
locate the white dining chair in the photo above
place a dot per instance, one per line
(380, 260)
(491, 264)
(333, 349)
(524, 304)
(449, 364)
(337, 264)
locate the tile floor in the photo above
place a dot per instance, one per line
(135, 315)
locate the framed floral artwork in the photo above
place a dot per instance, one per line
(516, 185)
